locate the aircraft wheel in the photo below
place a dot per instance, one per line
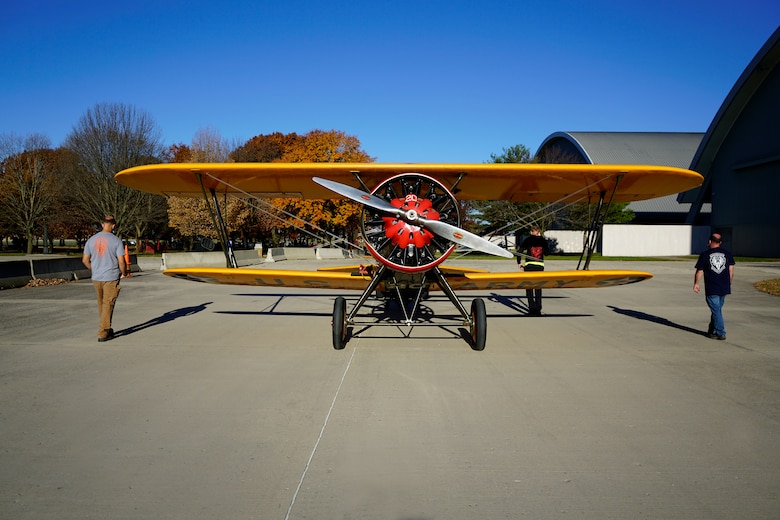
(340, 323)
(478, 324)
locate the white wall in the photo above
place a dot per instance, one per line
(653, 240)
(566, 241)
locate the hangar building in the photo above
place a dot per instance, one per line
(739, 157)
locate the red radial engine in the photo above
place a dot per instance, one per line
(402, 233)
(398, 241)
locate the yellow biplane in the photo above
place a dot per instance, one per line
(411, 223)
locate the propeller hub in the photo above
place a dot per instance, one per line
(402, 229)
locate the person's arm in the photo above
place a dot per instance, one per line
(122, 265)
(85, 259)
(696, 278)
(731, 273)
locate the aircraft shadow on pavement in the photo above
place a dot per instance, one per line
(165, 318)
(655, 319)
(383, 310)
(517, 303)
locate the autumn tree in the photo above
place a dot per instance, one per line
(68, 220)
(109, 138)
(192, 217)
(29, 185)
(266, 148)
(336, 216)
(330, 146)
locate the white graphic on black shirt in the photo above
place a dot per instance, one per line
(717, 262)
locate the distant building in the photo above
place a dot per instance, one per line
(739, 157)
(740, 160)
(661, 148)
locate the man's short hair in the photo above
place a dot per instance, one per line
(109, 219)
(715, 238)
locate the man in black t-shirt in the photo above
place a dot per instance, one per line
(531, 258)
(717, 266)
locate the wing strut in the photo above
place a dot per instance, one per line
(593, 233)
(219, 223)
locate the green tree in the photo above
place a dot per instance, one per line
(504, 217)
(579, 216)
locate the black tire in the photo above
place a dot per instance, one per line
(478, 324)
(339, 323)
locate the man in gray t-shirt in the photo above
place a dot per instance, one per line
(104, 255)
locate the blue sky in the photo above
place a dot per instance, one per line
(415, 81)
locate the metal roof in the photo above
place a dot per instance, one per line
(658, 148)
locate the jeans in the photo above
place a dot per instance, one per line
(715, 303)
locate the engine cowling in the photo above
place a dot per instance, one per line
(396, 241)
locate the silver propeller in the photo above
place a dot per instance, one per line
(463, 237)
(444, 230)
(359, 196)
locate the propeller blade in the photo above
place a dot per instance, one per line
(463, 237)
(358, 195)
(444, 230)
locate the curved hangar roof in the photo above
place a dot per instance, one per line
(659, 148)
(743, 135)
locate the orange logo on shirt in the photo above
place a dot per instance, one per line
(101, 247)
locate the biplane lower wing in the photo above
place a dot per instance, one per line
(272, 277)
(459, 279)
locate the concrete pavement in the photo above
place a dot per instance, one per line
(229, 402)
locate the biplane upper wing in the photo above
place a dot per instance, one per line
(459, 279)
(512, 182)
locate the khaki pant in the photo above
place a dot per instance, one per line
(107, 293)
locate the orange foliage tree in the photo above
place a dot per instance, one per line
(335, 216)
(191, 217)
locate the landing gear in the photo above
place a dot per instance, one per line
(340, 323)
(478, 326)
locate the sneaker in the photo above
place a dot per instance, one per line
(720, 337)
